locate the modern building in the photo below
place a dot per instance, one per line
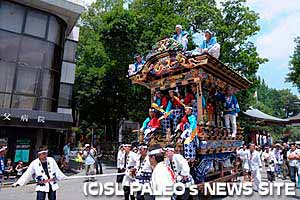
(38, 41)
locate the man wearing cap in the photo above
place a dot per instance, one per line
(130, 163)
(89, 155)
(46, 172)
(162, 176)
(181, 36)
(3, 150)
(292, 156)
(255, 167)
(231, 109)
(150, 125)
(180, 167)
(143, 170)
(187, 125)
(279, 159)
(210, 45)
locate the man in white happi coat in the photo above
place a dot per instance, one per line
(120, 163)
(46, 172)
(143, 171)
(255, 167)
(245, 155)
(269, 160)
(130, 163)
(162, 177)
(180, 167)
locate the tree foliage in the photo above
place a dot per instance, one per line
(280, 103)
(294, 75)
(110, 35)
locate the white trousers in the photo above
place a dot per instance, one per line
(230, 119)
(215, 51)
(256, 176)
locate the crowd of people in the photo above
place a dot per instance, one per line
(177, 113)
(161, 167)
(279, 161)
(12, 171)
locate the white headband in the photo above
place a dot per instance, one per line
(44, 151)
(3, 148)
(145, 147)
(155, 151)
(169, 149)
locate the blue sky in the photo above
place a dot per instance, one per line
(279, 21)
(280, 24)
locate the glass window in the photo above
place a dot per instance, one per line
(9, 45)
(5, 100)
(32, 52)
(11, 16)
(7, 74)
(27, 80)
(70, 51)
(53, 57)
(36, 23)
(48, 83)
(65, 95)
(46, 105)
(68, 73)
(54, 31)
(23, 102)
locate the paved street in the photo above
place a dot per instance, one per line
(69, 190)
(73, 190)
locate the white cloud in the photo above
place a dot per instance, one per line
(270, 9)
(278, 43)
(89, 2)
(280, 20)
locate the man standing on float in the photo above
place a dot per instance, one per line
(231, 109)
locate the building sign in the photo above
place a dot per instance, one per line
(35, 119)
(7, 116)
(41, 119)
(23, 118)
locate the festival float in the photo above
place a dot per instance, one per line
(168, 67)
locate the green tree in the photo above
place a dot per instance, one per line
(294, 75)
(103, 93)
(111, 35)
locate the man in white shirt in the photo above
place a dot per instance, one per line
(47, 174)
(143, 171)
(162, 175)
(89, 155)
(180, 167)
(292, 156)
(130, 163)
(269, 160)
(244, 155)
(255, 167)
(120, 163)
